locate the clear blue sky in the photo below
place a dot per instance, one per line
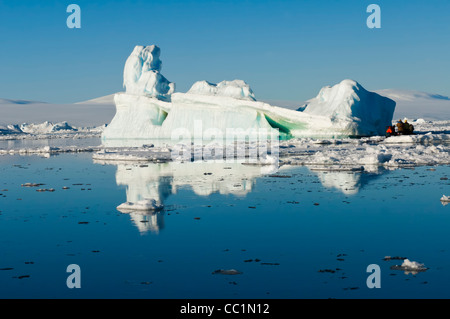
(285, 50)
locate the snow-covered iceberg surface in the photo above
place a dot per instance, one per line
(141, 75)
(149, 109)
(352, 108)
(237, 89)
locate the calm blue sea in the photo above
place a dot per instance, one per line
(298, 233)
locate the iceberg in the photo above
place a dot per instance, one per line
(46, 127)
(352, 108)
(151, 109)
(141, 75)
(237, 89)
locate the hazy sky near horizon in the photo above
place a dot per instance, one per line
(285, 50)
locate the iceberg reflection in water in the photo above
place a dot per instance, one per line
(157, 181)
(154, 182)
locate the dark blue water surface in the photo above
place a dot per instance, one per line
(280, 231)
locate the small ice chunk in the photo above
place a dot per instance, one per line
(410, 267)
(226, 272)
(143, 205)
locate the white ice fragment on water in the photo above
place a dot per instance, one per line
(445, 198)
(226, 272)
(420, 121)
(412, 265)
(269, 159)
(142, 205)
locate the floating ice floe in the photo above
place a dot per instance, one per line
(227, 272)
(142, 205)
(47, 150)
(394, 258)
(427, 138)
(133, 155)
(412, 267)
(354, 153)
(341, 155)
(336, 168)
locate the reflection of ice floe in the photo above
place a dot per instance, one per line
(408, 267)
(347, 182)
(144, 214)
(347, 179)
(445, 200)
(146, 220)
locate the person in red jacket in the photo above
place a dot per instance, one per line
(390, 131)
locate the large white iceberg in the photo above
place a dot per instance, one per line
(149, 109)
(352, 108)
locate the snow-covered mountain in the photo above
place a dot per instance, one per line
(417, 104)
(87, 114)
(107, 99)
(408, 95)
